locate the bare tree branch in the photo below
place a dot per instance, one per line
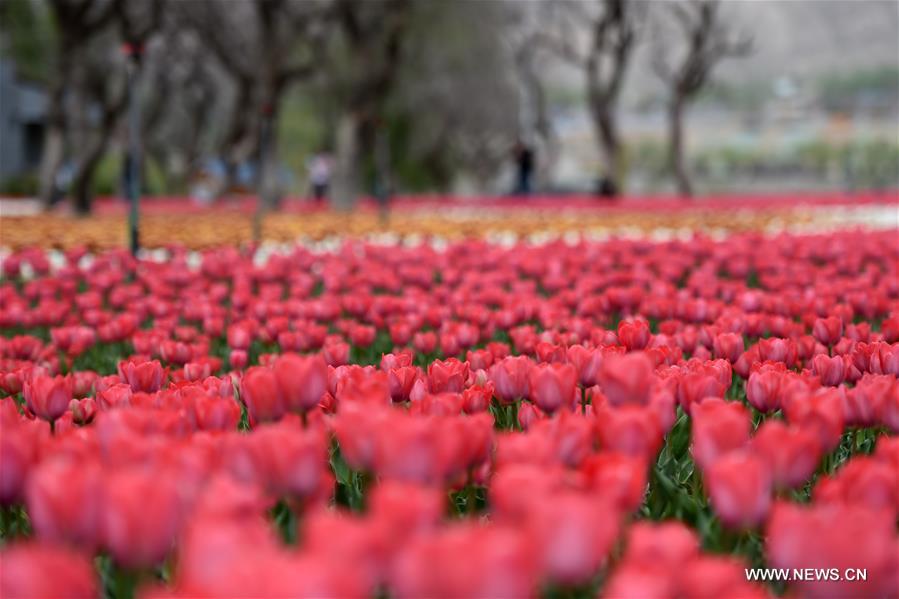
(707, 39)
(611, 35)
(561, 48)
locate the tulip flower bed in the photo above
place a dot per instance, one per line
(619, 419)
(176, 221)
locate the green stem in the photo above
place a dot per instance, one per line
(124, 583)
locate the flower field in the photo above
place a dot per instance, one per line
(562, 417)
(171, 221)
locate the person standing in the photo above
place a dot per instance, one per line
(320, 169)
(524, 161)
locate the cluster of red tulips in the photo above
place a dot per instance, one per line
(621, 418)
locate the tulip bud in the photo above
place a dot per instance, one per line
(238, 359)
(48, 397)
(510, 378)
(26, 567)
(553, 386)
(626, 379)
(792, 453)
(718, 427)
(830, 370)
(828, 330)
(144, 376)
(739, 487)
(260, 391)
(302, 381)
(83, 410)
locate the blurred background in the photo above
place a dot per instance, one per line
(341, 99)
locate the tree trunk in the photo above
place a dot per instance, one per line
(82, 192)
(51, 161)
(82, 183)
(346, 162)
(55, 134)
(240, 132)
(676, 147)
(535, 96)
(269, 185)
(610, 146)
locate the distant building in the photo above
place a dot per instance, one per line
(23, 110)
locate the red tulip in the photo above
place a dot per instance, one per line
(477, 398)
(216, 414)
(286, 460)
(336, 353)
(145, 376)
(117, 395)
(626, 379)
(763, 389)
(48, 397)
(62, 496)
(743, 365)
(417, 450)
(719, 427)
(479, 359)
(573, 535)
(363, 336)
(634, 334)
(863, 480)
(401, 381)
(552, 386)
(302, 381)
(83, 382)
(821, 413)
(196, 371)
(666, 544)
(239, 337)
(11, 382)
(425, 342)
(729, 346)
(587, 362)
(619, 477)
(885, 360)
(261, 393)
(697, 386)
(43, 570)
(777, 350)
(397, 360)
(739, 487)
(834, 536)
(449, 375)
(830, 370)
(175, 352)
(500, 563)
(83, 410)
(140, 516)
(630, 579)
(356, 428)
(18, 450)
(510, 378)
(632, 430)
(405, 509)
(401, 333)
(791, 452)
(550, 352)
(528, 414)
(717, 576)
(828, 330)
(238, 359)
